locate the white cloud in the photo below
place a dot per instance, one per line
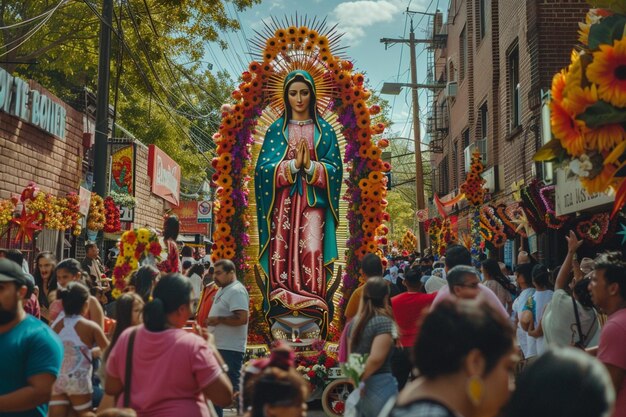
(355, 16)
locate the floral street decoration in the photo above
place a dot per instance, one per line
(553, 221)
(409, 241)
(474, 192)
(122, 199)
(491, 221)
(112, 222)
(588, 107)
(593, 229)
(7, 207)
(135, 245)
(96, 217)
(41, 210)
(340, 91)
(315, 368)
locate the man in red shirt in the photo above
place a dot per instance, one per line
(408, 309)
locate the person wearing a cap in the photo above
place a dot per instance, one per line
(31, 352)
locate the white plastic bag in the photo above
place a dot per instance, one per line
(351, 402)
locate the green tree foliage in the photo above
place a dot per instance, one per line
(401, 215)
(164, 96)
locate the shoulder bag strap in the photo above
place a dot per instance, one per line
(581, 337)
(129, 368)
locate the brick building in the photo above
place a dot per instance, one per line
(29, 153)
(497, 64)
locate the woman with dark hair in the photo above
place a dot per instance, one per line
(373, 333)
(279, 393)
(494, 279)
(73, 387)
(523, 277)
(465, 357)
(128, 313)
(571, 320)
(171, 262)
(45, 280)
(145, 277)
(537, 305)
(183, 369)
(578, 386)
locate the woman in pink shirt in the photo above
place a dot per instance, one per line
(173, 371)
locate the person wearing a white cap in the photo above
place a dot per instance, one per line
(31, 352)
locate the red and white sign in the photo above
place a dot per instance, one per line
(165, 175)
(187, 212)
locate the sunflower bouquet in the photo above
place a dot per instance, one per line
(588, 105)
(135, 246)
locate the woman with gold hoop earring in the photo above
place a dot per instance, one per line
(298, 183)
(465, 356)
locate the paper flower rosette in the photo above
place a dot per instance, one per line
(134, 246)
(588, 107)
(409, 241)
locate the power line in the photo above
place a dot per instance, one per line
(31, 33)
(177, 123)
(32, 19)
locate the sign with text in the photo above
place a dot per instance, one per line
(187, 212)
(36, 107)
(165, 175)
(571, 196)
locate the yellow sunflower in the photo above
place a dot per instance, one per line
(567, 129)
(600, 182)
(604, 138)
(558, 85)
(578, 99)
(608, 71)
(574, 74)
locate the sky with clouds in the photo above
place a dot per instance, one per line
(364, 23)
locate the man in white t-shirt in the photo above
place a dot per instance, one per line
(228, 319)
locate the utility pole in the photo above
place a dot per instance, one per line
(419, 171)
(102, 103)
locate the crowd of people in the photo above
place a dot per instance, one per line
(443, 338)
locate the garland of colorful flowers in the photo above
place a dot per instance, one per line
(475, 195)
(588, 107)
(409, 241)
(43, 210)
(134, 246)
(96, 217)
(112, 222)
(366, 185)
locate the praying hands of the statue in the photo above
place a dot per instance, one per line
(303, 157)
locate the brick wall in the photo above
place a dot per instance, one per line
(27, 153)
(149, 207)
(546, 32)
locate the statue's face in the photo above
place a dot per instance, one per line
(299, 96)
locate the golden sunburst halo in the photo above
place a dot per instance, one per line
(302, 51)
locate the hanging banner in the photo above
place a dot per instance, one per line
(123, 169)
(187, 212)
(165, 175)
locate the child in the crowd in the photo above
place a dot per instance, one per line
(73, 386)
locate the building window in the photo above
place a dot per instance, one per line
(483, 14)
(484, 121)
(466, 137)
(463, 52)
(455, 165)
(515, 97)
(451, 72)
